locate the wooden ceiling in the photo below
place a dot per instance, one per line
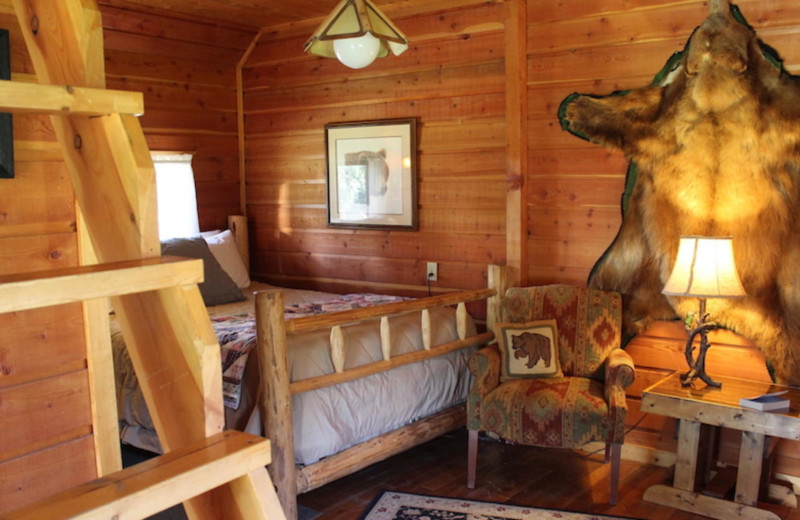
(253, 14)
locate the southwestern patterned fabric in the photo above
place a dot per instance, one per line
(589, 322)
(588, 403)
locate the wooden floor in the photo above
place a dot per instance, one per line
(557, 479)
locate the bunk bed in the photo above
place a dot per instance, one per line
(333, 391)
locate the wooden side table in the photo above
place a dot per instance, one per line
(699, 405)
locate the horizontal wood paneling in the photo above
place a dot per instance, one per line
(44, 472)
(46, 440)
(40, 343)
(50, 410)
(186, 70)
(452, 81)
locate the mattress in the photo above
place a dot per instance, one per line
(330, 419)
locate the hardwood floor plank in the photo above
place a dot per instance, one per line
(546, 478)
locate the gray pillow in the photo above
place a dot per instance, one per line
(218, 288)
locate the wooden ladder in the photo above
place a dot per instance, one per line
(181, 474)
(168, 333)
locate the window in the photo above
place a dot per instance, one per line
(177, 200)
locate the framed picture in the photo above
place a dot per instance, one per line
(372, 180)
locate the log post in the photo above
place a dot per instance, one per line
(276, 399)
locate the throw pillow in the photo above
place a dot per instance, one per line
(223, 247)
(528, 349)
(218, 288)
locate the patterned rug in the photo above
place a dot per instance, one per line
(391, 505)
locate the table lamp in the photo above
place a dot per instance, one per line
(704, 268)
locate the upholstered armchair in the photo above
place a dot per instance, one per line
(526, 394)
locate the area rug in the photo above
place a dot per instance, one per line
(392, 505)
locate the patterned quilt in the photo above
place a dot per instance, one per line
(237, 335)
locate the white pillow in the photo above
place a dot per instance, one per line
(224, 249)
(206, 234)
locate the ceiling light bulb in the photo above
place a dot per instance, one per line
(357, 52)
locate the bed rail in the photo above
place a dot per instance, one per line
(277, 389)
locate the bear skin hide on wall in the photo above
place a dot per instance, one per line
(714, 145)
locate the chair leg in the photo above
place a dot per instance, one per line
(472, 458)
(614, 453)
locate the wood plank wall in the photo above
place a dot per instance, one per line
(46, 434)
(186, 70)
(574, 187)
(452, 81)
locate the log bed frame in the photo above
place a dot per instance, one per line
(276, 389)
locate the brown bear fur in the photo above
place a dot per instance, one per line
(717, 147)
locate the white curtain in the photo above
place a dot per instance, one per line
(177, 200)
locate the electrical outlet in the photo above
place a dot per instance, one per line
(433, 272)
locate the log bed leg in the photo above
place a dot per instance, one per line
(276, 398)
(472, 458)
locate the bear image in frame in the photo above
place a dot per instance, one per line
(714, 145)
(371, 176)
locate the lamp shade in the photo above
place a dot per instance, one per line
(704, 268)
(343, 35)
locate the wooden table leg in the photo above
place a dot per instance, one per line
(748, 476)
(707, 454)
(681, 494)
(686, 461)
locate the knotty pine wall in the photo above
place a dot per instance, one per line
(46, 434)
(452, 81)
(186, 70)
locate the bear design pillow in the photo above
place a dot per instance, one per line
(528, 349)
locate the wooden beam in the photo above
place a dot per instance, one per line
(498, 280)
(240, 123)
(517, 141)
(100, 368)
(25, 291)
(31, 98)
(159, 483)
(309, 323)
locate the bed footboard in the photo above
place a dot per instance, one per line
(277, 389)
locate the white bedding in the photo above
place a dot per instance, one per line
(331, 419)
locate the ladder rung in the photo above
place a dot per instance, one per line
(24, 291)
(156, 484)
(26, 98)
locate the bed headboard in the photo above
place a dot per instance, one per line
(238, 226)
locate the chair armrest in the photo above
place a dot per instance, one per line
(485, 368)
(620, 374)
(619, 369)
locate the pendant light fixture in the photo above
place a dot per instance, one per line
(356, 33)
